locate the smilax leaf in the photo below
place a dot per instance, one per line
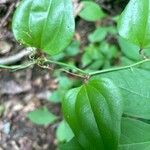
(94, 112)
(134, 85)
(135, 22)
(45, 24)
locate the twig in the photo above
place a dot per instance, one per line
(4, 19)
(14, 58)
(75, 74)
(77, 7)
(65, 65)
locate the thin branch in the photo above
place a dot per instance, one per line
(119, 68)
(14, 58)
(75, 74)
(4, 19)
(66, 66)
(80, 73)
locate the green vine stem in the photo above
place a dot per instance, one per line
(119, 68)
(67, 66)
(83, 74)
(18, 67)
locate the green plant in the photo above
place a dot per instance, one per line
(111, 110)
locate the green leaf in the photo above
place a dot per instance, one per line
(134, 86)
(91, 11)
(64, 85)
(129, 50)
(98, 35)
(91, 54)
(63, 132)
(109, 51)
(94, 112)
(71, 145)
(134, 131)
(70, 115)
(41, 116)
(73, 49)
(134, 23)
(45, 24)
(137, 146)
(135, 135)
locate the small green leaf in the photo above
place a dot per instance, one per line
(98, 35)
(73, 49)
(64, 85)
(45, 24)
(134, 23)
(109, 51)
(91, 11)
(63, 132)
(41, 116)
(94, 112)
(91, 54)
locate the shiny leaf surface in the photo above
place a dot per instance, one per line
(45, 24)
(134, 86)
(94, 112)
(135, 21)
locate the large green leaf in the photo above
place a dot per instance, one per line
(129, 50)
(71, 145)
(94, 112)
(134, 131)
(136, 146)
(135, 135)
(135, 21)
(70, 114)
(45, 24)
(134, 85)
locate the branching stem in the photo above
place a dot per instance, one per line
(66, 66)
(80, 73)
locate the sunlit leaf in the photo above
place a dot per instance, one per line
(45, 24)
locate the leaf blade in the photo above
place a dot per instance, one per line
(134, 24)
(47, 24)
(41, 116)
(134, 86)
